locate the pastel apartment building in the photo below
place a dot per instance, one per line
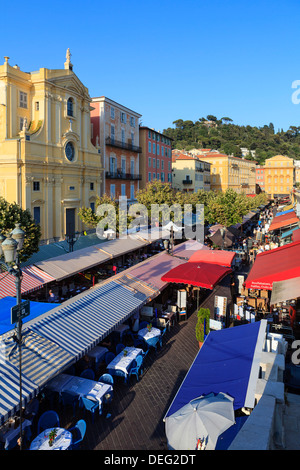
(115, 129)
(260, 177)
(156, 156)
(189, 173)
(232, 172)
(279, 175)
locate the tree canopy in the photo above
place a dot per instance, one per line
(10, 215)
(229, 138)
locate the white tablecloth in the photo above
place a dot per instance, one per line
(62, 441)
(122, 362)
(86, 387)
(145, 334)
(80, 386)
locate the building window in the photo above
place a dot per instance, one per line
(149, 176)
(132, 121)
(21, 122)
(162, 177)
(162, 165)
(123, 118)
(112, 191)
(162, 151)
(132, 138)
(123, 189)
(149, 161)
(37, 215)
(157, 149)
(154, 176)
(170, 177)
(112, 134)
(157, 176)
(132, 191)
(70, 107)
(153, 148)
(123, 136)
(112, 112)
(149, 147)
(37, 106)
(154, 162)
(149, 134)
(157, 163)
(36, 186)
(72, 188)
(23, 100)
(91, 186)
(92, 206)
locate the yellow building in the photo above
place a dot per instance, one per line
(189, 173)
(48, 164)
(231, 172)
(279, 176)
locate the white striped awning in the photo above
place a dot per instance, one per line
(33, 278)
(10, 390)
(41, 358)
(80, 325)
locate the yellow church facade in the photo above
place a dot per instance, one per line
(48, 164)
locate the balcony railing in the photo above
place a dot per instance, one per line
(122, 176)
(187, 181)
(123, 145)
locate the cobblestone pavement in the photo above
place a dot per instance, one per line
(138, 409)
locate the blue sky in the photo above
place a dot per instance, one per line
(168, 59)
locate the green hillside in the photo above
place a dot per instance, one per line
(227, 137)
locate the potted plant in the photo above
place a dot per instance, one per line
(202, 326)
(52, 435)
(149, 326)
(125, 352)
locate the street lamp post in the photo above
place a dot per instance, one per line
(9, 249)
(71, 240)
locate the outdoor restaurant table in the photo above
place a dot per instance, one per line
(97, 353)
(62, 441)
(80, 386)
(146, 335)
(123, 362)
(10, 433)
(121, 329)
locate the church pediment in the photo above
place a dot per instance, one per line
(72, 85)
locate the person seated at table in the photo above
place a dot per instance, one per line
(107, 343)
(84, 363)
(51, 296)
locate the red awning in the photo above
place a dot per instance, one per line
(283, 220)
(275, 265)
(220, 257)
(197, 274)
(296, 235)
(33, 278)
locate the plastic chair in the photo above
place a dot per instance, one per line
(109, 356)
(136, 368)
(69, 398)
(182, 313)
(78, 433)
(49, 419)
(88, 374)
(89, 405)
(106, 379)
(153, 342)
(119, 348)
(162, 335)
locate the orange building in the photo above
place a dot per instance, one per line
(115, 129)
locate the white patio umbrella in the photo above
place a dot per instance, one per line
(198, 424)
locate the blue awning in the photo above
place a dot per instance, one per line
(288, 233)
(80, 325)
(283, 212)
(228, 362)
(36, 309)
